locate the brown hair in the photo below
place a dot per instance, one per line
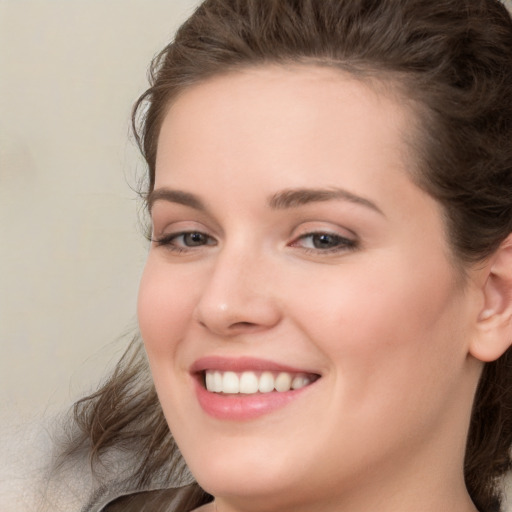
(453, 60)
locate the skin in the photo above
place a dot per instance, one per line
(386, 320)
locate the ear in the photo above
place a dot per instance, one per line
(494, 323)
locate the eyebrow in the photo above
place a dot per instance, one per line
(174, 196)
(292, 198)
(289, 198)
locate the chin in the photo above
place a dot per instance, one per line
(245, 472)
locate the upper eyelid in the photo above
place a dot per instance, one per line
(164, 224)
(176, 234)
(326, 232)
(161, 216)
(305, 229)
(353, 240)
(163, 221)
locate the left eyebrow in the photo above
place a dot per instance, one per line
(292, 198)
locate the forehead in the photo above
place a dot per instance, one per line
(283, 113)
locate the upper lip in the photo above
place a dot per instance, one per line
(243, 364)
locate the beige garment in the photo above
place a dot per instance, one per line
(28, 484)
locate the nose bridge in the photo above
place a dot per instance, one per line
(237, 295)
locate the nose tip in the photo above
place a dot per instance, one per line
(236, 302)
(234, 318)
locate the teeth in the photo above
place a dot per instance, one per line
(283, 382)
(299, 382)
(250, 382)
(230, 383)
(214, 381)
(209, 380)
(266, 384)
(217, 382)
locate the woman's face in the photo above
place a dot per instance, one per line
(292, 251)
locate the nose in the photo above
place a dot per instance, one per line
(239, 295)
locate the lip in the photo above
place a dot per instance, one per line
(243, 407)
(243, 364)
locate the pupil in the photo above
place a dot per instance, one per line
(194, 239)
(323, 241)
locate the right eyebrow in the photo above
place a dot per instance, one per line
(174, 196)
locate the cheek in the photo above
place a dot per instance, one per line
(394, 349)
(164, 310)
(386, 322)
(164, 307)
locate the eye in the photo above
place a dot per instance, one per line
(324, 242)
(193, 239)
(186, 240)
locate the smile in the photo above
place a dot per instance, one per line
(250, 382)
(243, 389)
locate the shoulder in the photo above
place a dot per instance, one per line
(26, 448)
(34, 479)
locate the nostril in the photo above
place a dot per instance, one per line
(234, 325)
(244, 327)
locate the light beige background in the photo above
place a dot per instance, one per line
(71, 248)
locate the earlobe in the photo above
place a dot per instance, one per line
(494, 323)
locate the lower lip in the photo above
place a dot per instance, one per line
(242, 407)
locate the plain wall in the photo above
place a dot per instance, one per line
(71, 247)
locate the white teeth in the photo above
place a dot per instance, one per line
(217, 382)
(230, 383)
(283, 382)
(266, 384)
(209, 380)
(249, 382)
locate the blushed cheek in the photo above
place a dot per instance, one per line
(380, 315)
(161, 312)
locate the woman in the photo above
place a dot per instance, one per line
(326, 306)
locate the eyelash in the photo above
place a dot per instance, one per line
(342, 243)
(168, 241)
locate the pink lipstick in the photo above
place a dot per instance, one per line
(245, 388)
